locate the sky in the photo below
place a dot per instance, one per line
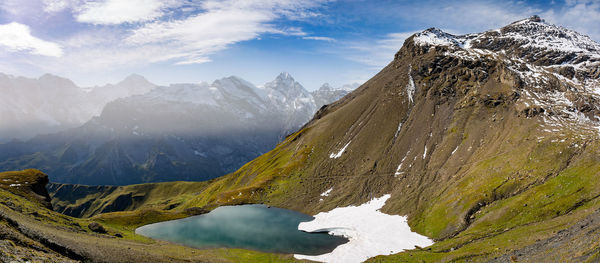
(94, 42)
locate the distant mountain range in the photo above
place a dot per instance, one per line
(150, 133)
(49, 104)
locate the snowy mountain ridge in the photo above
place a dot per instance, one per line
(283, 101)
(51, 103)
(177, 132)
(541, 55)
(532, 33)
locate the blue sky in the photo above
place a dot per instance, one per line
(171, 41)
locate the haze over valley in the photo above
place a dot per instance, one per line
(138, 132)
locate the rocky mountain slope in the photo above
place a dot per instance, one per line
(181, 132)
(29, 107)
(488, 142)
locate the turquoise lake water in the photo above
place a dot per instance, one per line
(254, 227)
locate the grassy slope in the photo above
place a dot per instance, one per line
(85, 201)
(29, 227)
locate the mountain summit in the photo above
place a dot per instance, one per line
(532, 40)
(561, 67)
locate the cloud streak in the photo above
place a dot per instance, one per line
(318, 38)
(222, 23)
(193, 39)
(113, 12)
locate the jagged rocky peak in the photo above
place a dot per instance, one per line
(532, 40)
(283, 81)
(284, 76)
(288, 88)
(326, 87)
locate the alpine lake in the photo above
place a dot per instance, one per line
(254, 227)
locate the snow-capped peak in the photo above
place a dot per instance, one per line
(135, 79)
(284, 75)
(531, 19)
(531, 39)
(284, 82)
(535, 32)
(435, 37)
(326, 87)
(287, 85)
(539, 55)
(287, 95)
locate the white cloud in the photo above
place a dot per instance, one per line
(376, 52)
(581, 16)
(222, 23)
(53, 6)
(190, 37)
(476, 16)
(328, 39)
(20, 8)
(17, 38)
(113, 12)
(118, 11)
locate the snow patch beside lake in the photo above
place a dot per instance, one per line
(370, 232)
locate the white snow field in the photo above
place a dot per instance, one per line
(370, 232)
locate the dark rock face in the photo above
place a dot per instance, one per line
(196, 211)
(38, 187)
(96, 227)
